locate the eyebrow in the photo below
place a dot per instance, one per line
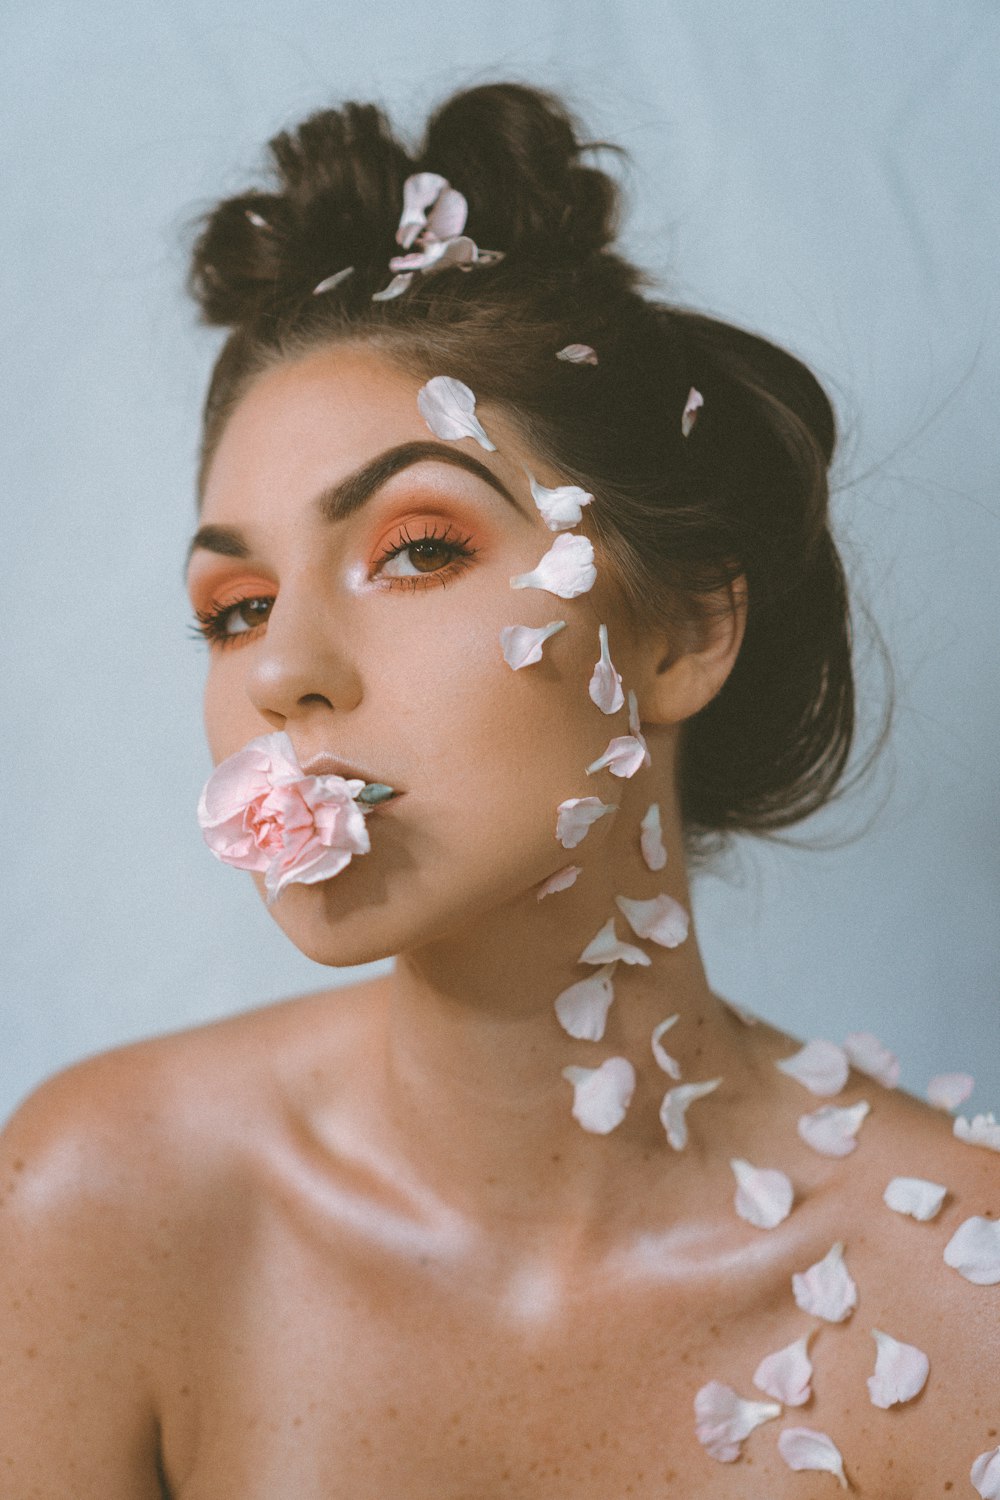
(347, 496)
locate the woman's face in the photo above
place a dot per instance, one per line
(387, 656)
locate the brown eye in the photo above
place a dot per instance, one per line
(247, 613)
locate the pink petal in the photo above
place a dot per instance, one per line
(256, 219)
(675, 1106)
(329, 282)
(764, 1195)
(949, 1090)
(560, 507)
(448, 215)
(669, 1064)
(578, 354)
(419, 192)
(974, 1251)
(522, 644)
(567, 569)
(438, 255)
(396, 287)
(661, 920)
(689, 416)
(606, 685)
(867, 1054)
(651, 838)
(601, 1096)
(803, 1448)
(623, 757)
(723, 1420)
(832, 1131)
(574, 817)
(635, 728)
(914, 1196)
(787, 1373)
(583, 1008)
(605, 948)
(981, 1130)
(900, 1371)
(985, 1475)
(449, 409)
(826, 1290)
(560, 881)
(820, 1066)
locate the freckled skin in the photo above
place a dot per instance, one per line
(353, 1244)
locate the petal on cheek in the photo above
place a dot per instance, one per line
(561, 507)
(567, 569)
(522, 644)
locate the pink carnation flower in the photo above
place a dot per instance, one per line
(259, 811)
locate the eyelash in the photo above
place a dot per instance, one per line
(211, 623)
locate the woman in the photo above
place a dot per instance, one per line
(537, 1213)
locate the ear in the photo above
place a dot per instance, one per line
(685, 671)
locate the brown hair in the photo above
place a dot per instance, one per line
(676, 519)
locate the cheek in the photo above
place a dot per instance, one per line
(230, 718)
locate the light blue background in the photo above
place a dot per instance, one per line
(823, 172)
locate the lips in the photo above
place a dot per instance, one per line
(329, 765)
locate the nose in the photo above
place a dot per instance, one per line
(302, 664)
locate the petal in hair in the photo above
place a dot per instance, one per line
(651, 838)
(804, 1448)
(567, 569)
(574, 817)
(985, 1475)
(764, 1196)
(661, 920)
(673, 1110)
(449, 409)
(723, 1420)
(866, 1053)
(981, 1130)
(397, 286)
(605, 948)
(560, 881)
(329, 282)
(583, 1008)
(419, 191)
(257, 220)
(786, 1374)
(949, 1090)
(820, 1066)
(623, 757)
(522, 644)
(601, 1096)
(826, 1290)
(561, 507)
(832, 1131)
(669, 1064)
(577, 354)
(974, 1251)
(914, 1196)
(900, 1371)
(695, 400)
(606, 684)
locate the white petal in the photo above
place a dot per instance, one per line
(522, 644)
(804, 1448)
(396, 287)
(623, 757)
(559, 507)
(651, 838)
(449, 409)
(985, 1475)
(583, 1008)
(578, 354)
(832, 1131)
(914, 1196)
(764, 1195)
(723, 1419)
(256, 219)
(820, 1066)
(787, 1373)
(662, 920)
(826, 1290)
(574, 817)
(438, 255)
(635, 728)
(664, 1060)
(974, 1251)
(689, 416)
(606, 685)
(602, 1095)
(567, 569)
(981, 1130)
(605, 948)
(448, 215)
(868, 1055)
(675, 1106)
(329, 282)
(900, 1371)
(949, 1090)
(560, 881)
(419, 192)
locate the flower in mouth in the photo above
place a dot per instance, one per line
(260, 811)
